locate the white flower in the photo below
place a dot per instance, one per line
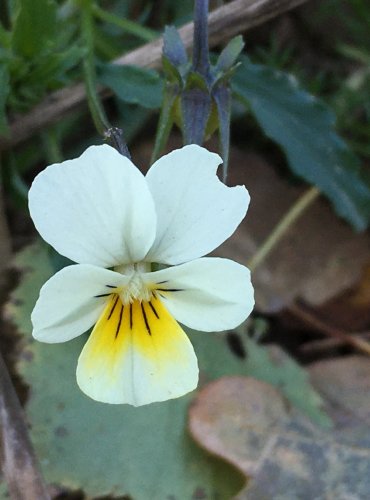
(101, 212)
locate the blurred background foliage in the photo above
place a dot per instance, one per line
(46, 45)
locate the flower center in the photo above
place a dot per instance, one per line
(136, 288)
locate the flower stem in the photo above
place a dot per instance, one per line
(96, 109)
(282, 227)
(200, 42)
(113, 134)
(52, 146)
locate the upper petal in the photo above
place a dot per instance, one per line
(95, 209)
(196, 212)
(72, 300)
(208, 294)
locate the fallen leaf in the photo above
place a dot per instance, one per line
(345, 385)
(349, 310)
(234, 417)
(283, 455)
(297, 468)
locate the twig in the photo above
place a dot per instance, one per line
(224, 22)
(19, 464)
(326, 344)
(328, 330)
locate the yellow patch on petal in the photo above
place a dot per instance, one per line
(134, 353)
(143, 325)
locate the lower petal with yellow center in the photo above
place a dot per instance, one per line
(137, 353)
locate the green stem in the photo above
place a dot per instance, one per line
(52, 147)
(282, 227)
(165, 121)
(96, 109)
(131, 27)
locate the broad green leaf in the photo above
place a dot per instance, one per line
(35, 27)
(4, 91)
(132, 84)
(304, 128)
(105, 449)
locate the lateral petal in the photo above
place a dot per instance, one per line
(72, 300)
(196, 211)
(207, 294)
(137, 354)
(95, 209)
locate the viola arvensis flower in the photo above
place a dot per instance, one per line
(101, 212)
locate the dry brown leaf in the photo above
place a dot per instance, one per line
(299, 468)
(233, 418)
(284, 456)
(345, 385)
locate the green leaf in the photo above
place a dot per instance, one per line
(54, 66)
(304, 128)
(132, 84)
(274, 366)
(35, 27)
(105, 449)
(5, 39)
(4, 91)
(36, 268)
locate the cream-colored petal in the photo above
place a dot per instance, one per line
(72, 300)
(95, 209)
(137, 354)
(196, 211)
(208, 294)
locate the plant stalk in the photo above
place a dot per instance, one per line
(200, 44)
(96, 109)
(283, 226)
